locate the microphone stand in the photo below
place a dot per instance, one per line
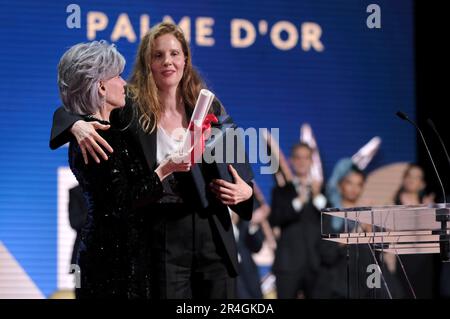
(443, 213)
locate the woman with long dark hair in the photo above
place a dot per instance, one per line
(412, 189)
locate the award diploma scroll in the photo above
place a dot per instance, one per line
(191, 147)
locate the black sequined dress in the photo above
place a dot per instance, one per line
(114, 256)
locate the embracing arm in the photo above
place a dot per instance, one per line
(62, 123)
(66, 124)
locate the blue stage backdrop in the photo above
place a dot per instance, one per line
(273, 64)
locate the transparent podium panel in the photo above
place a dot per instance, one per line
(373, 242)
(396, 229)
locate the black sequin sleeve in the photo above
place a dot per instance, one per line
(122, 183)
(133, 182)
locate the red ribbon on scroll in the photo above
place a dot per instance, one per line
(206, 125)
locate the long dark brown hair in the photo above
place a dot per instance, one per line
(397, 200)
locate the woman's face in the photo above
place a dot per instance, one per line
(167, 61)
(352, 186)
(414, 180)
(114, 91)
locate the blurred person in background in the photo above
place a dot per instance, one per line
(296, 210)
(418, 267)
(343, 271)
(249, 238)
(413, 187)
(340, 277)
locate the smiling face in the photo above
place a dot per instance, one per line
(114, 92)
(167, 61)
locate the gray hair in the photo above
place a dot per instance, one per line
(81, 69)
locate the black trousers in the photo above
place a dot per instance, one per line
(186, 258)
(291, 284)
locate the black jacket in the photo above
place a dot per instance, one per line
(298, 245)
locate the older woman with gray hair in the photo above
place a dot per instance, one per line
(113, 256)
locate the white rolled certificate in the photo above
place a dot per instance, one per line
(204, 101)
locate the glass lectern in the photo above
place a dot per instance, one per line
(398, 230)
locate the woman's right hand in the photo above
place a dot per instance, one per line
(171, 165)
(88, 139)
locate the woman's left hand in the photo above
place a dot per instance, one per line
(231, 193)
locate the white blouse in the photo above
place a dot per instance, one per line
(165, 144)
